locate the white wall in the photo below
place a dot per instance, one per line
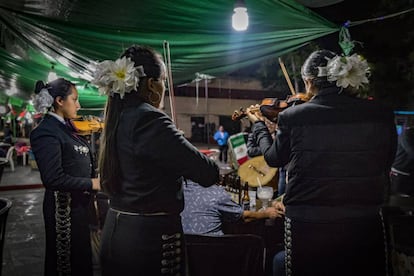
(210, 109)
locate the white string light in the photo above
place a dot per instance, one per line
(240, 18)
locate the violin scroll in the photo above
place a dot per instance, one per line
(238, 114)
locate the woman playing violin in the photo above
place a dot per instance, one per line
(339, 150)
(270, 107)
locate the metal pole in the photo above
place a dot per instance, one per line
(208, 115)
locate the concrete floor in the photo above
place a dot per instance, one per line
(23, 252)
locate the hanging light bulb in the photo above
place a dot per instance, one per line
(52, 74)
(240, 18)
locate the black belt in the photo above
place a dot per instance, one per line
(140, 213)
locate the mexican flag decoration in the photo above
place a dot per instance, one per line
(239, 148)
(21, 115)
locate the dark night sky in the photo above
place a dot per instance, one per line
(387, 45)
(379, 38)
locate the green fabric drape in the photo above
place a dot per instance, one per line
(78, 33)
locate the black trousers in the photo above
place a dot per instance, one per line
(80, 241)
(402, 184)
(142, 245)
(223, 153)
(344, 247)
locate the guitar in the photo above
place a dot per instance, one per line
(256, 172)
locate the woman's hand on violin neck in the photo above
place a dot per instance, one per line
(251, 115)
(254, 114)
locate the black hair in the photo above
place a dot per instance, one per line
(147, 57)
(57, 88)
(310, 68)
(153, 66)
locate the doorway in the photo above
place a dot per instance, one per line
(232, 127)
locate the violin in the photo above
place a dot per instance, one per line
(86, 125)
(299, 98)
(270, 107)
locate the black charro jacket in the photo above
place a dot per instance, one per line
(65, 164)
(64, 159)
(339, 149)
(154, 157)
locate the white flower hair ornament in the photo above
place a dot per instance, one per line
(42, 101)
(346, 71)
(119, 76)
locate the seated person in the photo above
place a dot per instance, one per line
(207, 207)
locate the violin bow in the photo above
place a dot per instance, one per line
(285, 73)
(167, 58)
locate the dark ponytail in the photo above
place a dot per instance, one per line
(109, 167)
(39, 86)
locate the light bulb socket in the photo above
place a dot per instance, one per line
(239, 4)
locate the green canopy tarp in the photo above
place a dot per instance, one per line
(75, 34)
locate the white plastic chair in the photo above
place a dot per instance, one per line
(9, 158)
